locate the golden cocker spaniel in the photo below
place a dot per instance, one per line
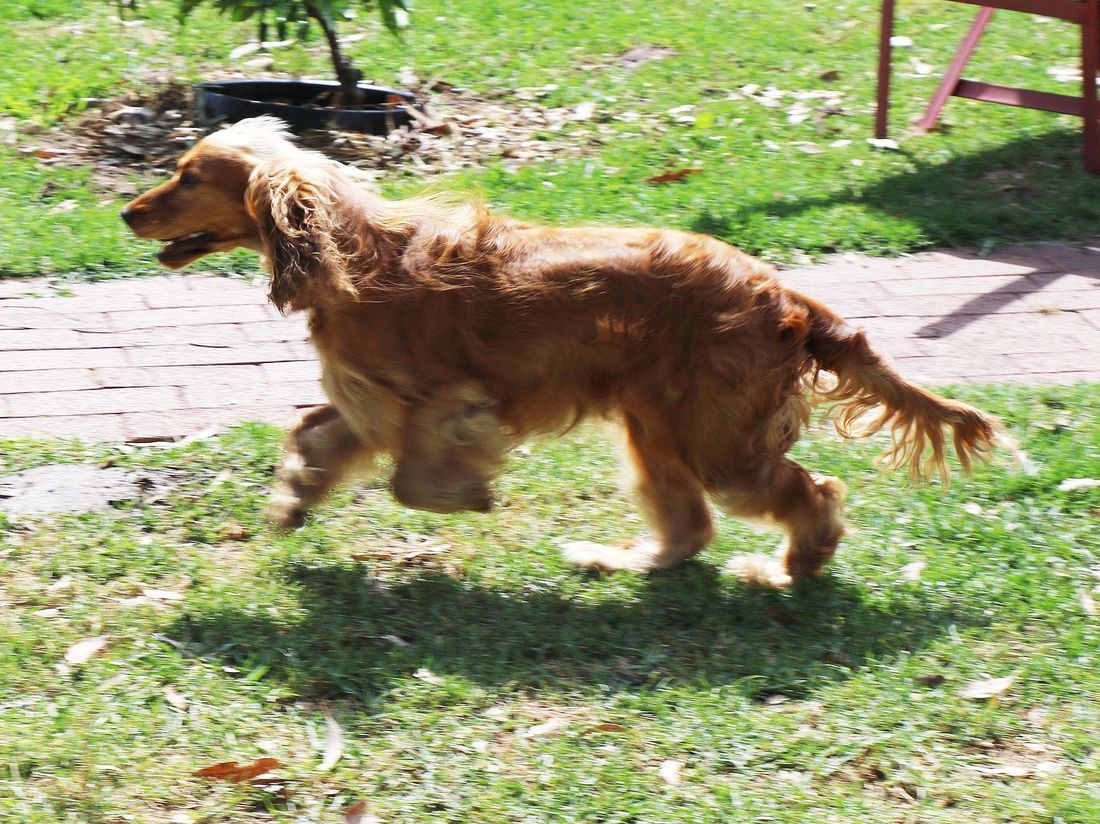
(448, 334)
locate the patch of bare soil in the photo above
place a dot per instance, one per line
(76, 488)
(143, 135)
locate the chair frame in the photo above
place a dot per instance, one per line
(1084, 13)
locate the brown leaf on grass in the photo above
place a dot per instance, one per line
(989, 688)
(672, 176)
(82, 651)
(235, 532)
(334, 742)
(175, 698)
(606, 727)
(932, 679)
(234, 772)
(359, 813)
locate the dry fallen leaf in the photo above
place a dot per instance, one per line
(670, 772)
(1073, 484)
(427, 676)
(334, 743)
(989, 688)
(546, 728)
(672, 176)
(932, 679)
(175, 698)
(232, 771)
(606, 727)
(162, 594)
(912, 571)
(82, 651)
(1087, 602)
(358, 813)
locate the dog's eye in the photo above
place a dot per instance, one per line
(188, 179)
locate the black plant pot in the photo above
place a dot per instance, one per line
(301, 104)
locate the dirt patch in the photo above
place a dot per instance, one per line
(76, 488)
(142, 135)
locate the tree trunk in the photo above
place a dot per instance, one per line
(349, 76)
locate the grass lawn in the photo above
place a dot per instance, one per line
(787, 180)
(476, 677)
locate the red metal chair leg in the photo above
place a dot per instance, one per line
(1090, 110)
(954, 71)
(885, 50)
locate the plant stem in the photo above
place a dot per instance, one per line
(348, 75)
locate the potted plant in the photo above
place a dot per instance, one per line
(344, 104)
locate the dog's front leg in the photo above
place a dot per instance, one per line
(320, 450)
(453, 446)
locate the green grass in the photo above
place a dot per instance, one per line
(435, 666)
(996, 175)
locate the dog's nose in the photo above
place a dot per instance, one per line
(126, 214)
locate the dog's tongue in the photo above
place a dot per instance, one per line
(184, 247)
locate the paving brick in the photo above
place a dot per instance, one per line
(212, 334)
(1046, 301)
(61, 358)
(222, 374)
(209, 291)
(93, 401)
(15, 340)
(302, 370)
(296, 393)
(960, 285)
(83, 427)
(184, 422)
(73, 304)
(183, 355)
(285, 329)
(34, 316)
(948, 265)
(942, 366)
(46, 380)
(1091, 316)
(189, 316)
(1068, 360)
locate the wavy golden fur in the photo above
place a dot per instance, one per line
(448, 334)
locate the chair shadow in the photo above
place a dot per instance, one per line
(1031, 189)
(688, 627)
(1028, 189)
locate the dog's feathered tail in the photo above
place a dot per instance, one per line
(868, 396)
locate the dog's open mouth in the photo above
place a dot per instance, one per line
(187, 246)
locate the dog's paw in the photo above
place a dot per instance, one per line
(285, 511)
(639, 557)
(759, 571)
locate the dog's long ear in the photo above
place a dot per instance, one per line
(296, 211)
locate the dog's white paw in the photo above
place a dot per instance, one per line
(285, 511)
(638, 557)
(759, 571)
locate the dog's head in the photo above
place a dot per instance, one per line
(204, 207)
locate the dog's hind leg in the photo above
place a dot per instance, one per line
(674, 504)
(320, 450)
(808, 507)
(453, 445)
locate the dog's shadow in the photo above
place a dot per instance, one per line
(690, 627)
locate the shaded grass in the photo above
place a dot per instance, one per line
(997, 175)
(783, 706)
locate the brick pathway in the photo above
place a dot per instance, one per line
(168, 356)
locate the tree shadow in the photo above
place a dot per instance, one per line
(1033, 188)
(690, 627)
